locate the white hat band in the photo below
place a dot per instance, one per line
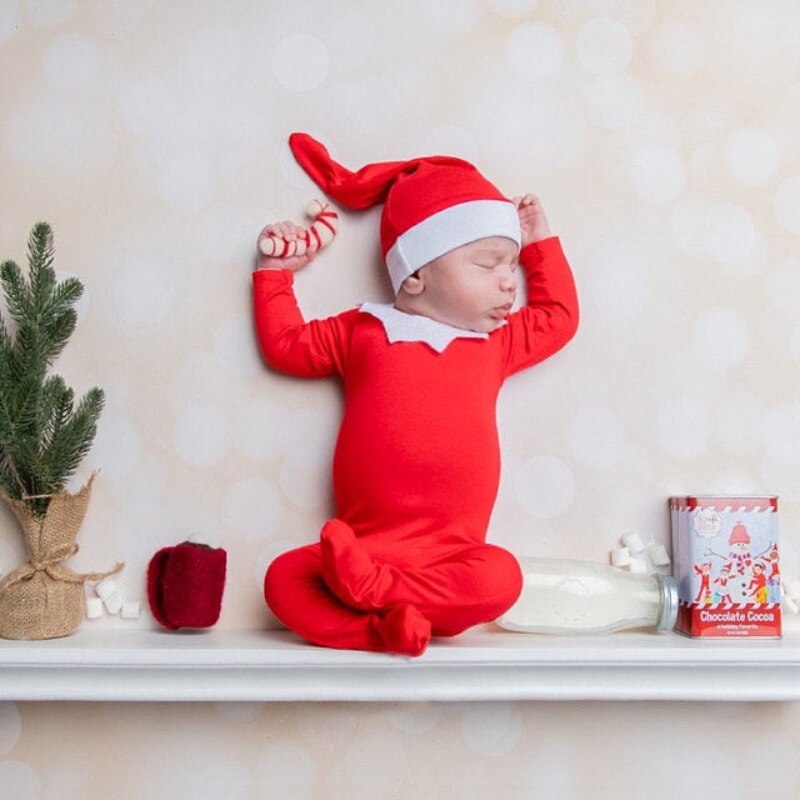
(447, 229)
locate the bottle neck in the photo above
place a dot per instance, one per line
(668, 609)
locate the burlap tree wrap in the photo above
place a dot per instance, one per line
(42, 599)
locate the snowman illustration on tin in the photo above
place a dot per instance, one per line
(740, 563)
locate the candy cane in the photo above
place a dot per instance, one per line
(322, 230)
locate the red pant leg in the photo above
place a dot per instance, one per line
(468, 588)
(465, 586)
(297, 594)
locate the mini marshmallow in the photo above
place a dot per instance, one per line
(113, 603)
(638, 565)
(621, 557)
(659, 555)
(94, 608)
(633, 542)
(106, 588)
(130, 609)
(791, 588)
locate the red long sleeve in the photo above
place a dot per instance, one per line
(550, 317)
(289, 343)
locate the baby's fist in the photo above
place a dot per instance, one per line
(532, 219)
(289, 232)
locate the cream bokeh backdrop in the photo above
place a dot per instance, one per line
(662, 139)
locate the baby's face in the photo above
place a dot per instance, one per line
(473, 286)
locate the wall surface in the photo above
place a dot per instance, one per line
(662, 139)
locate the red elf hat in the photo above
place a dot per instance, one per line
(431, 205)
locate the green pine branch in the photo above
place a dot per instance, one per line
(43, 435)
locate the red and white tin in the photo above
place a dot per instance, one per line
(726, 562)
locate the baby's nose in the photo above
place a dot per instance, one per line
(508, 282)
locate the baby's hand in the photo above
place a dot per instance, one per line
(532, 219)
(290, 232)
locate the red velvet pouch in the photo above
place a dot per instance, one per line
(185, 583)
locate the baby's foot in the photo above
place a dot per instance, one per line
(403, 630)
(351, 573)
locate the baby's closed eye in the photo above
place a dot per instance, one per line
(512, 266)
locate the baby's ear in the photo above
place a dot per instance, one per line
(413, 284)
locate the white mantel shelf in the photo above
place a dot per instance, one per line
(225, 665)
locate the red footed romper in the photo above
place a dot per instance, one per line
(416, 466)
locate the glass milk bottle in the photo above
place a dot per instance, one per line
(574, 597)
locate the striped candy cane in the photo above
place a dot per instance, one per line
(322, 230)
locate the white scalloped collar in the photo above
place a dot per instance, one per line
(403, 327)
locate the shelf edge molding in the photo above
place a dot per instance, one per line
(145, 666)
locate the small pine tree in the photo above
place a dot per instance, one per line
(43, 436)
